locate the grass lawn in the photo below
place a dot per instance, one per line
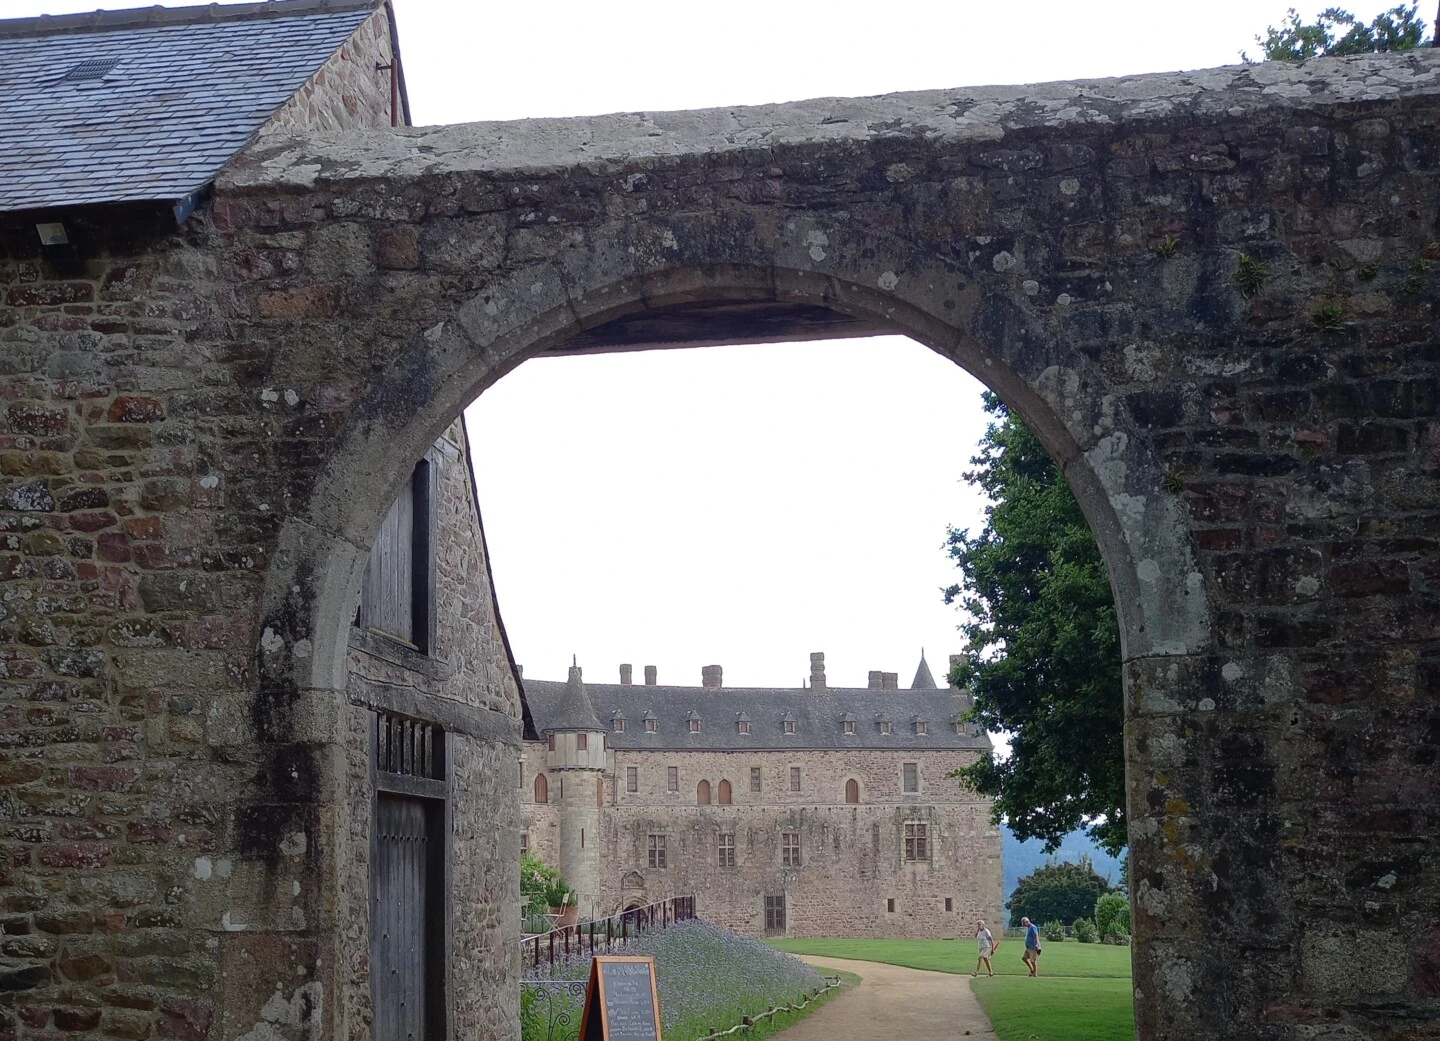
(1084, 992)
(1057, 959)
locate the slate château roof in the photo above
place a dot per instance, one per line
(571, 709)
(189, 88)
(818, 716)
(923, 680)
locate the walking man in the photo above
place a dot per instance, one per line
(988, 946)
(1031, 957)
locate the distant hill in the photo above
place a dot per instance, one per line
(1021, 858)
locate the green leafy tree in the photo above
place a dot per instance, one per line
(1337, 32)
(1084, 930)
(1057, 893)
(1112, 916)
(1042, 655)
(542, 886)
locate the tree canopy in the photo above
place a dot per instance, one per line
(1042, 654)
(1057, 893)
(1336, 32)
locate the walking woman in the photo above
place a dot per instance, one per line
(988, 946)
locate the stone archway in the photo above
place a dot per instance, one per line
(1079, 249)
(1253, 440)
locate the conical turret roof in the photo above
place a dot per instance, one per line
(923, 680)
(574, 711)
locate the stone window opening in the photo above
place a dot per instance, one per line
(550, 742)
(672, 778)
(754, 778)
(650, 726)
(849, 726)
(397, 593)
(694, 726)
(917, 842)
(794, 778)
(920, 726)
(789, 849)
(744, 725)
(726, 849)
(725, 792)
(656, 849)
(632, 779)
(949, 905)
(542, 789)
(890, 905)
(910, 778)
(885, 726)
(560, 784)
(582, 838)
(774, 914)
(702, 794)
(600, 791)
(524, 843)
(789, 726)
(582, 742)
(852, 791)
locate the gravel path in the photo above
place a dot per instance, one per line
(893, 1003)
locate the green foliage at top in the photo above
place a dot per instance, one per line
(541, 886)
(1338, 32)
(1042, 658)
(1057, 893)
(1112, 916)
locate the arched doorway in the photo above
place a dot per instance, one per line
(542, 789)
(852, 791)
(724, 792)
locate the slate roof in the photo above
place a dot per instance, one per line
(572, 709)
(923, 680)
(191, 88)
(818, 716)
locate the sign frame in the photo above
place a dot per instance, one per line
(594, 1023)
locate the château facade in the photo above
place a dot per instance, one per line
(802, 812)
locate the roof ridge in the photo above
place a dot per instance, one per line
(158, 15)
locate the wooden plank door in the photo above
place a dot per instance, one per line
(403, 880)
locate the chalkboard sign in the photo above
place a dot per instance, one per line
(621, 1002)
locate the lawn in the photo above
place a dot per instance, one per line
(1058, 959)
(1083, 994)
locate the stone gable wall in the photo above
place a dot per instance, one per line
(348, 91)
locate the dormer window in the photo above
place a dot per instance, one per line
(789, 726)
(920, 726)
(744, 725)
(617, 723)
(849, 726)
(694, 726)
(650, 726)
(885, 726)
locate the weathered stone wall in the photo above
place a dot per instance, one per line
(852, 860)
(203, 429)
(348, 91)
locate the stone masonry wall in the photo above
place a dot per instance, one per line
(348, 91)
(1213, 294)
(852, 855)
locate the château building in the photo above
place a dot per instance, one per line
(802, 812)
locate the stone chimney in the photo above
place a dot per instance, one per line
(625, 676)
(649, 675)
(877, 679)
(817, 670)
(955, 660)
(710, 676)
(889, 681)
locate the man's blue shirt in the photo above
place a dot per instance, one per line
(1032, 936)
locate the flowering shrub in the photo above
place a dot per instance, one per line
(708, 979)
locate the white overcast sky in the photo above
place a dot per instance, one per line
(746, 505)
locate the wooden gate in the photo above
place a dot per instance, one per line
(408, 914)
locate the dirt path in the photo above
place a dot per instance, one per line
(893, 1003)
